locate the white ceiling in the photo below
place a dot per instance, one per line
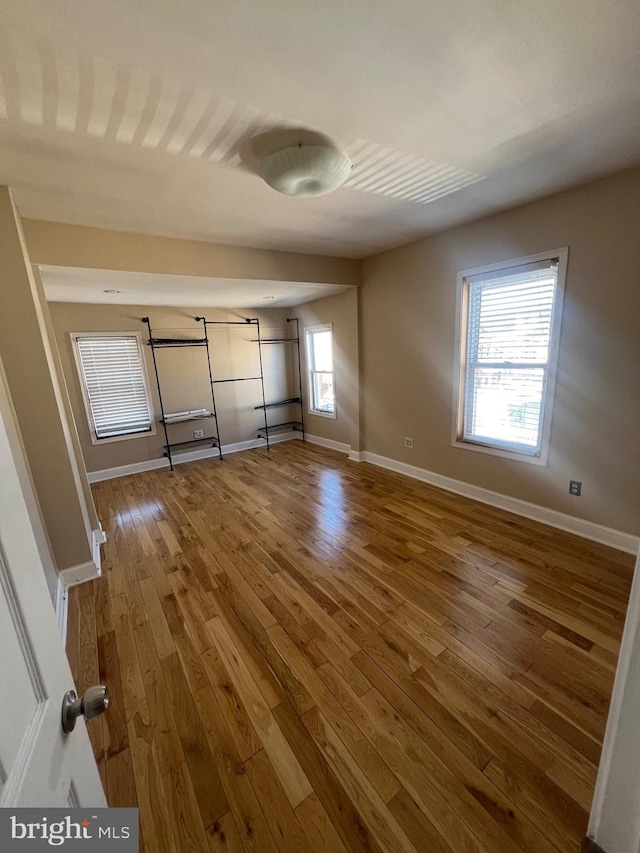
(132, 115)
(72, 284)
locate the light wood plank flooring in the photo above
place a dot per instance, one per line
(308, 654)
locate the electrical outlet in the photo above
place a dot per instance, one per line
(198, 433)
(575, 487)
(408, 442)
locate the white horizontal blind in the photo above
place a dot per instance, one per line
(507, 353)
(114, 383)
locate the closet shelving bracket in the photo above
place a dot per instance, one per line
(297, 425)
(181, 343)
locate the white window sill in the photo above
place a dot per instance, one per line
(513, 455)
(331, 415)
(124, 437)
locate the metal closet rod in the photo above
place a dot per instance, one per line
(227, 322)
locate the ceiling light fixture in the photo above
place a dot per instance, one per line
(305, 170)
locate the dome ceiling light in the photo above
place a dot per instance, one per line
(296, 161)
(305, 170)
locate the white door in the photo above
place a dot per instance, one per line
(39, 764)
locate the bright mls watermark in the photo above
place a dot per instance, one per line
(70, 829)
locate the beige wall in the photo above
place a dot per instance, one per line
(97, 248)
(64, 402)
(407, 318)
(342, 311)
(94, 248)
(183, 373)
(37, 399)
(406, 314)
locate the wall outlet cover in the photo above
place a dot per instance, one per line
(408, 442)
(198, 433)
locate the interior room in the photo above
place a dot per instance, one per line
(319, 405)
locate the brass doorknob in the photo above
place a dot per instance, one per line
(94, 702)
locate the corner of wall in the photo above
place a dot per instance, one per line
(75, 575)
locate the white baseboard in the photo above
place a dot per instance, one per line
(258, 442)
(356, 455)
(189, 456)
(75, 575)
(123, 470)
(587, 529)
(329, 443)
(98, 537)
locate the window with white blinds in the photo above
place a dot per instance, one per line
(320, 371)
(510, 326)
(114, 384)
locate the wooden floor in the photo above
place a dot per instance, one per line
(308, 654)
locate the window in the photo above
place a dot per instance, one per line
(509, 326)
(114, 385)
(322, 396)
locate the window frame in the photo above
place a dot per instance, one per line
(308, 337)
(536, 457)
(75, 336)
